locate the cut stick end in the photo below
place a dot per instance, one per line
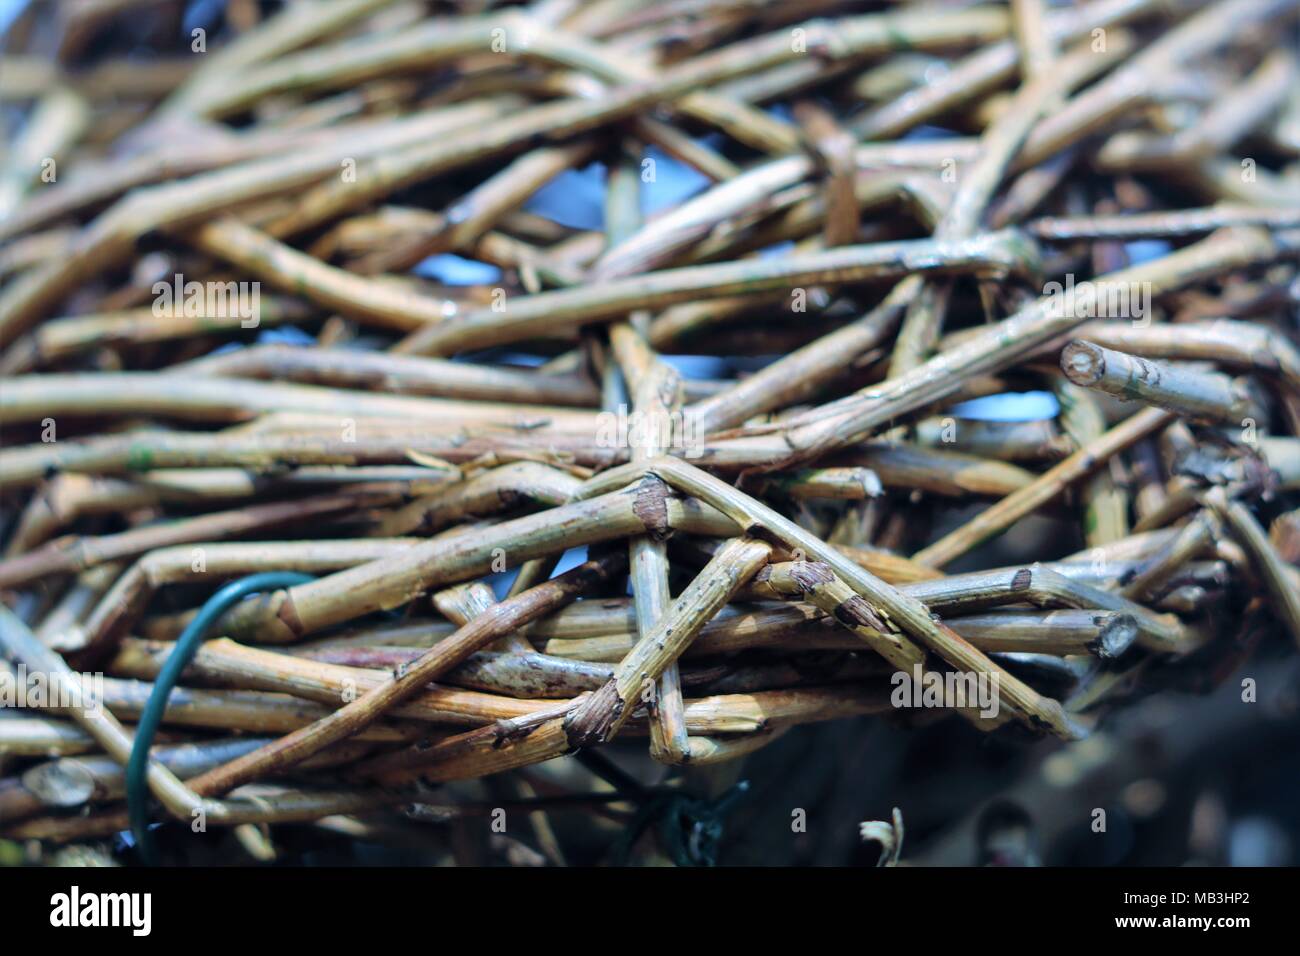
(1083, 363)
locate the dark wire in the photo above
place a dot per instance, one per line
(137, 791)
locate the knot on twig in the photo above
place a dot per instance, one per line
(651, 506)
(856, 612)
(795, 578)
(824, 42)
(1238, 466)
(591, 722)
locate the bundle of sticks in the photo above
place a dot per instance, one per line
(969, 355)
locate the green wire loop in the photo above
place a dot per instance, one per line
(137, 791)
